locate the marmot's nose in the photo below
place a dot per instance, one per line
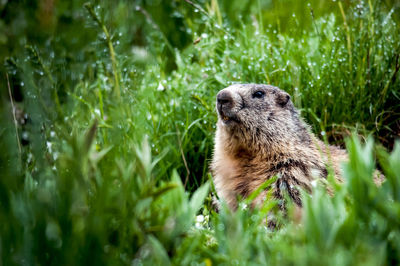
(224, 97)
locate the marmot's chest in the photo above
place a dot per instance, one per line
(237, 177)
(233, 178)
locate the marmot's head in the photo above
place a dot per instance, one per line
(256, 115)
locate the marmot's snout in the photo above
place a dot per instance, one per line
(226, 105)
(224, 99)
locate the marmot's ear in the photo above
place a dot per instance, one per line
(282, 98)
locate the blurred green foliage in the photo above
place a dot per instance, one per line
(107, 121)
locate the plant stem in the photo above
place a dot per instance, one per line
(347, 35)
(15, 119)
(94, 16)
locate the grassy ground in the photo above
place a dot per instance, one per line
(105, 159)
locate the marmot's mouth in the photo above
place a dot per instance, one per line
(227, 119)
(226, 116)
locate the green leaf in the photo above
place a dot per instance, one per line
(261, 188)
(160, 191)
(198, 197)
(159, 255)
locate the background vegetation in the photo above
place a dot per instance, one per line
(107, 122)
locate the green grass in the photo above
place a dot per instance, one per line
(111, 163)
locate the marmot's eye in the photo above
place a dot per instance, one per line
(258, 94)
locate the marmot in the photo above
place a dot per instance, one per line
(260, 135)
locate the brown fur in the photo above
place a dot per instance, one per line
(261, 137)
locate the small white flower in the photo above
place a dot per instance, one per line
(160, 87)
(49, 144)
(314, 183)
(199, 218)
